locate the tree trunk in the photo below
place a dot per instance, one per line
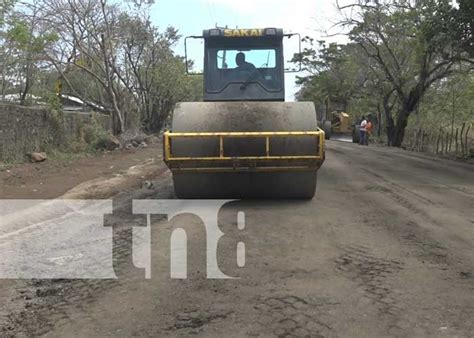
(461, 138)
(456, 140)
(446, 151)
(388, 118)
(119, 124)
(27, 86)
(409, 105)
(399, 130)
(422, 148)
(390, 132)
(451, 139)
(437, 142)
(379, 121)
(442, 142)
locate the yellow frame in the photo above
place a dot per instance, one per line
(314, 161)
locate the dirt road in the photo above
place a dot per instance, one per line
(385, 249)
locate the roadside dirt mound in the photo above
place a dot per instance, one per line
(107, 187)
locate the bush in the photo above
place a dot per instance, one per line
(95, 135)
(78, 146)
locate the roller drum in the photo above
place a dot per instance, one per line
(244, 117)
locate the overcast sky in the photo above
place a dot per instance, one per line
(190, 17)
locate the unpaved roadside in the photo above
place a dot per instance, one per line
(51, 179)
(96, 176)
(384, 250)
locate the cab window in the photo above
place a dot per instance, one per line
(260, 58)
(258, 65)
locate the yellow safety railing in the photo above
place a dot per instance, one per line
(176, 162)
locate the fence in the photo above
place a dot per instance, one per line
(457, 141)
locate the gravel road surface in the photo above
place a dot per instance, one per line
(386, 248)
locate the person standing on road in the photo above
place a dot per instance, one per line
(362, 131)
(368, 131)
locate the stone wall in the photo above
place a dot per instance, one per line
(27, 129)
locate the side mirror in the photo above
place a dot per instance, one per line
(188, 71)
(299, 68)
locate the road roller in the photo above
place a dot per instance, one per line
(244, 140)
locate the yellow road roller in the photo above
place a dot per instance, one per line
(243, 140)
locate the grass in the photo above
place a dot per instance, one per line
(57, 156)
(63, 158)
(5, 166)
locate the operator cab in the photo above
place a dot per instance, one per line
(244, 65)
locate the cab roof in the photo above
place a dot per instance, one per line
(229, 33)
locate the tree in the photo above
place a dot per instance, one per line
(151, 72)
(119, 49)
(88, 36)
(5, 8)
(413, 45)
(107, 53)
(23, 47)
(342, 78)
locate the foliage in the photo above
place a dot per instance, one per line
(106, 53)
(404, 51)
(5, 7)
(336, 73)
(22, 51)
(94, 134)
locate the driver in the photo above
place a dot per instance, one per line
(243, 65)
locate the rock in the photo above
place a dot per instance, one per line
(37, 157)
(147, 185)
(109, 143)
(143, 145)
(152, 139)
(135, 143)
(135, 136)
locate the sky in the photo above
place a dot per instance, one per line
(190, 17)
